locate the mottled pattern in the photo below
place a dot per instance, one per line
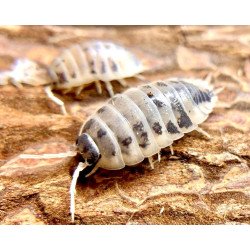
(85, 63)
(143, 120)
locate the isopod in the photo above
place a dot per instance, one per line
(76, 67)
(138, 123)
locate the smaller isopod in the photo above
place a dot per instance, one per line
(77, 67)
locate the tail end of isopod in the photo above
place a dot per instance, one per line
(81, 166)
(5, 77)
(26, 71)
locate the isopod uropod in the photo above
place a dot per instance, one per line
(76, 67)
(138, 123)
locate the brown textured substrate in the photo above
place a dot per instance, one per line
(205, 182)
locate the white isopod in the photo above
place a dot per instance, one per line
(139, 123)
(77, 67)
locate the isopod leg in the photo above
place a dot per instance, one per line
(7, 78)
(79, 90)
(56, 100)
(209, 77)
(66, 91)
(140, 77)
(98, 87)
(200, 130)
(109, 88)
(159, 156)
(93, 171)
(151, 163)
(218, 90)
(171, 150)
(123, 82)
(79, 168)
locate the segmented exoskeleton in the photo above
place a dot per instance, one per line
(139, 123)
(82, 64)
(76, 67)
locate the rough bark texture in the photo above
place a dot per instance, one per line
(205, 182)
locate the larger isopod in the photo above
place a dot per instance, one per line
(139, 123)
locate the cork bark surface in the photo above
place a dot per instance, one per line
(204, 182)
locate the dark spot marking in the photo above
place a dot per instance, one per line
(92, 71)
(198, 95)
(150, 95)
(138, 126)
(196, 99)
(161, 84)
(61, 77)
(111, 150)
(157, 128)
(143, 145)
(73, 75)
(113, 66)
(103, 67)
(206, 96)
(88, 124)
(101, 133)
(101, 110)
(158, 103)
(145, 141)
(146, 87)
(172, 129)
(126, 141)
(183, 119)
(144, 135)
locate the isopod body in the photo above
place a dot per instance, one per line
(138, 123)
(85, 63)
(76, 67)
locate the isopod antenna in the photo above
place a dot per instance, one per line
(81, 166)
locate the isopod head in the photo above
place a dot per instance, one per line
(87, 148)
(89, 156)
